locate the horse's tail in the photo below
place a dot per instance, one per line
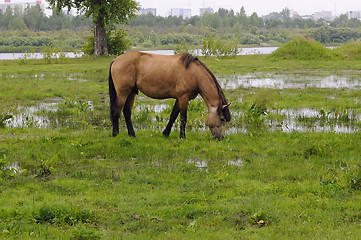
(112, 92)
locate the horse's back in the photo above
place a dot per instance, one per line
(155, 75)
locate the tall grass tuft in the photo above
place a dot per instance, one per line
(304, 49)
(351, 50)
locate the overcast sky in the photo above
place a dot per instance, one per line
(261, 7)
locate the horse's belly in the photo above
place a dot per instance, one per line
(157, 93)
(157, 88)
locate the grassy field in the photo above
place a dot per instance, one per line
(65, 177)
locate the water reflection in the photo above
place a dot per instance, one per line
(31, 116)
(290, 80)
(301, 120)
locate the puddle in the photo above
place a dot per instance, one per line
(203, 165)
(39, 76)
(291, 80)
(236, 162)
(156, 108)
(307, 119)
(313, 121)
(12, 168)
(31, 116)
(40, 115)
(71, 77)
(303, 120)
(199, 164)
(76, 77)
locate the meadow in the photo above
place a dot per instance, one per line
(64, 177)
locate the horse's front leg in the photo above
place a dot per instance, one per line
(183, 120)
(183, 106)
(172, 118)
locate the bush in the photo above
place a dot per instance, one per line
(304, 49)
(118, 42)
(184, 47)
(213, 46)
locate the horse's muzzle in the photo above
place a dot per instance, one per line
(218, 132)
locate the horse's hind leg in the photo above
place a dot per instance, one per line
(115, 111)
(127, 111)
(172, 118)
(114, 116)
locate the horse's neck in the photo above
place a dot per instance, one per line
(209, 92)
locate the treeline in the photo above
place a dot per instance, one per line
(33, 30)
(224, 18)
(34, 19)
(28, 41)
(274, 29)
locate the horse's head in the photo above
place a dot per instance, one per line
(217, 122)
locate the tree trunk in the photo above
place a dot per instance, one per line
(100, 38)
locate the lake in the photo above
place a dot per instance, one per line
(242, 51)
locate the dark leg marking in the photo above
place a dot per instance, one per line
(172, 118)
(127, 111)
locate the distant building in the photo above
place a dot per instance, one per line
(202, 11)
(307, 17)
(354, 14)
(325, 15)
(181, 12)
(295, 14)
(145, 11)
(20, 6)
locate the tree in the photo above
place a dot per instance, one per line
(105, 15)
(285, 14)
(34, 17)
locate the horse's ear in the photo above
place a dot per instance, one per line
(226, 105)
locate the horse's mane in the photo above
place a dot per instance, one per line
(187, 59)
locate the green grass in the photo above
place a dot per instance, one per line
(74, 181)
(299, 185)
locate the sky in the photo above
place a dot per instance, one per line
(261, 7)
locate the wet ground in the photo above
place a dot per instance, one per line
(298, 80)
(45, 114)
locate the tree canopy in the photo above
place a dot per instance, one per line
(105, 15)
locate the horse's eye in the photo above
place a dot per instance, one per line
(223, 119)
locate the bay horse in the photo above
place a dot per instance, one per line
(180, 76)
